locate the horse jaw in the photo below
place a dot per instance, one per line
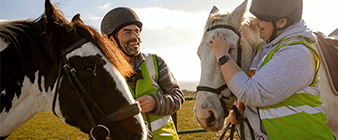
(89, 49)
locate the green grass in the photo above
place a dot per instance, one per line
(47, 126)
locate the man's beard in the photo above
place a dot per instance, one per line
(134, 41)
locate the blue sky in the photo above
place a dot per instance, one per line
(172, 28)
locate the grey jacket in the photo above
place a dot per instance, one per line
(171, 99)
(291, 69)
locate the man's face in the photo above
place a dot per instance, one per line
(129, 38)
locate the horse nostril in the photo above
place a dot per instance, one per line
(211, 119)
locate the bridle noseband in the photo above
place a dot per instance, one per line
(85, 99)
(218, 91)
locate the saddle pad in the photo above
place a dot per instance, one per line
(329, 49)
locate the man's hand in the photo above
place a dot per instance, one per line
(147, 103)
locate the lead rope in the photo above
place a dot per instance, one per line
(241, 120)
(150, 134)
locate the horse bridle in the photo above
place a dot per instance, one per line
(218, 91)
(84, 97)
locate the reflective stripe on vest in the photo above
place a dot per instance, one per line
(160, 122)
(301, 116)
(148, 85)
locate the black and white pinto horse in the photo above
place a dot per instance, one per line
(68, 68)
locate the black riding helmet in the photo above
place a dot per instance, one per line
(272, 10)
(117, 18)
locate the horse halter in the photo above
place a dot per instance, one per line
(218, 91)
(84, 97)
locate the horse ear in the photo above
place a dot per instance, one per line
(238, 14)
(77, 18)
(213, 10)
(52, 15)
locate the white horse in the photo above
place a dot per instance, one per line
(212, 109)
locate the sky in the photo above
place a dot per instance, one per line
(172, 29)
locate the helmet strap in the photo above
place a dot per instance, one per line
(274, 32)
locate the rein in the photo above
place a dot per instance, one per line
(85, 99)
(241, 120)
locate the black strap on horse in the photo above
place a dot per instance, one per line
(241, 120)
(217, 91)
(237, 32)
(85, 99)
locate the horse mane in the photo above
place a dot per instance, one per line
(23, 31)
(250, 36)
(39, 36)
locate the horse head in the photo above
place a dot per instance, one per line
(214, 99)
(68, 68)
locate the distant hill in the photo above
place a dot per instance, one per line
(188, 85)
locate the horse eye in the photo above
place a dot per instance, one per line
(89, 69)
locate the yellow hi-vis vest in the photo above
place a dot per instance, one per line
(301, 116)
(162, 127)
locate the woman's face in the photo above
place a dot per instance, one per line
(265, 29)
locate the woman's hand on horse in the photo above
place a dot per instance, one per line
(232, 116)
(147, 103)
(219, 45)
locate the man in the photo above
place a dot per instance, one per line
(153, 85)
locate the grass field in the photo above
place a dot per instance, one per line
(47, 126)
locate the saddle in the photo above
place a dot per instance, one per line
(328, 52)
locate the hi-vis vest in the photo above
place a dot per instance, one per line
(301, 116)
(162, 127)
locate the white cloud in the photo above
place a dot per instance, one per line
(106, 6)
(162, 18)
(174, 35)
(94, 17)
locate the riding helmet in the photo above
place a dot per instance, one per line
(271, 10)
(117, 18)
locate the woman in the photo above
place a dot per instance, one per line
(281, 99)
